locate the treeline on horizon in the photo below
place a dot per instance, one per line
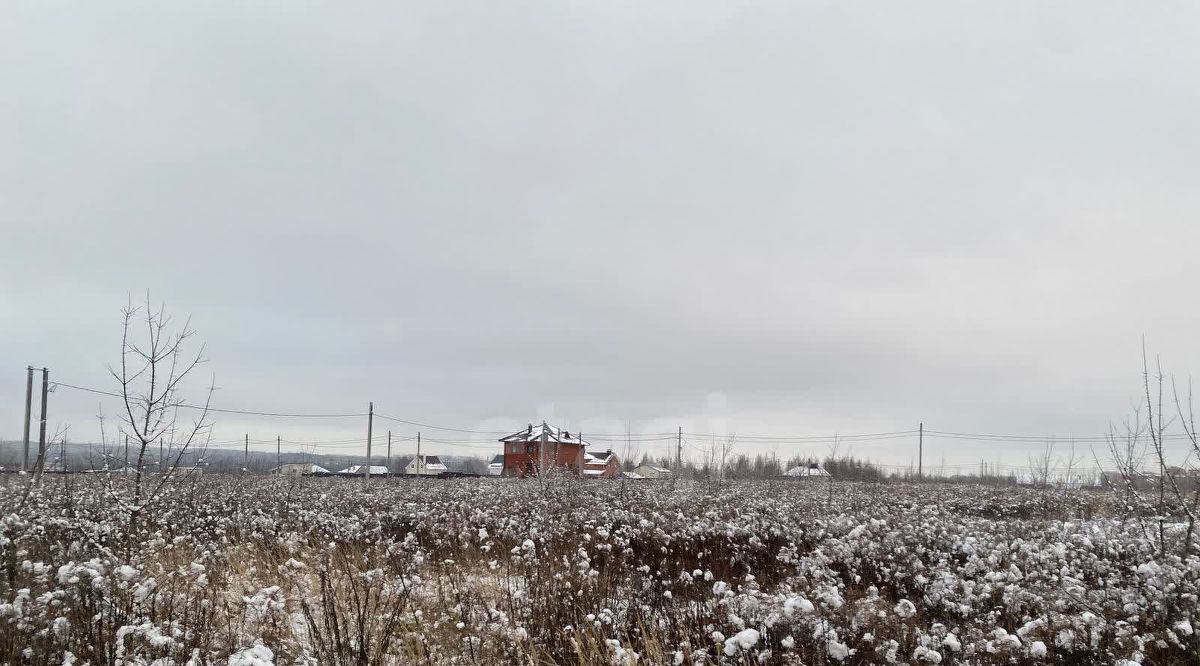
(841, 468)
(80, 457)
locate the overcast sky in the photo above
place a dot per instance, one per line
(769, 218)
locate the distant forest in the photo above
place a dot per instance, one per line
(80, 457)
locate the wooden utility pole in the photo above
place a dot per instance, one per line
(542, 450)
(370, 423)
(679, 451)
(28, 411)
(246, 456)
(42, 429)
(389, 455)
(278, 457)
(920, 450)
(419, 461)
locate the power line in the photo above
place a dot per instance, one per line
(811, 438)
(642, 438)
(248, 412)
(985, 437)
(434, 427)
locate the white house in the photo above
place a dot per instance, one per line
(302, 469)
(496, 467)
(361, 470)
(808, 470)
(653, 472)
(425, 466)
(1073, 481)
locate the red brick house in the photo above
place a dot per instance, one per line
(543, 446)
(601, 465)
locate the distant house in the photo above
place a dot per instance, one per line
(445, 466)
(462, 466)
(302, 469)
(528, 452)
(653, 472)
(425, 466)
(496, 467)
(1135, 480)
(1187, 480)
(1073, 481)
(122, 470)
(361, 470)
(808, 471)
(602, 465)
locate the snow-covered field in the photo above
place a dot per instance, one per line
(260, 570)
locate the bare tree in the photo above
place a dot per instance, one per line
(1041, 464)
(1190, 506)
(154, 365)
(630, 452)
(709, 458)
(1070, 463)
(1157, 429)
(1174, 491)
(724, 449)
(834, 449)
(39, 466)
(1128, 452)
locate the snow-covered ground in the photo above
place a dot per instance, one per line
(250, 571)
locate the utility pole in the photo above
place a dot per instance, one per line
(278, 457)
(246, 456)
(28, 410)
(679, 452)
(389, 455)
(419, 461)
(542, 450)
(42, 432)
(579, 464)
(370, 423)
(920, 450)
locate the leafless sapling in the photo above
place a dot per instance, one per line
(155, 362)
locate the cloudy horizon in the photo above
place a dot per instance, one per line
(770, 219)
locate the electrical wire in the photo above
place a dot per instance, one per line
(248, 412)
(618, 438)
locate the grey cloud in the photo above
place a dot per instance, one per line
(842, 218)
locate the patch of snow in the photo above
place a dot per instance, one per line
(837, 650)
(794, 604)
(256, 655)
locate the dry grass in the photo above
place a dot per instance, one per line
(497, 571)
